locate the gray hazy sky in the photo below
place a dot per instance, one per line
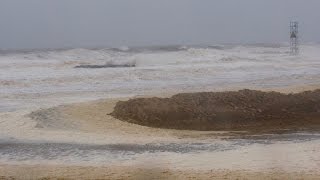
(96, 23)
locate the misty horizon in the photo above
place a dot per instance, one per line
(47, 24)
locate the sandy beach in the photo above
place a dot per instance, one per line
(74, 172)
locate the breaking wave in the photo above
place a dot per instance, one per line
(109, 64)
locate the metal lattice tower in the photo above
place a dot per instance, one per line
(294, 37)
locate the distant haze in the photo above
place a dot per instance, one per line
(103, 23)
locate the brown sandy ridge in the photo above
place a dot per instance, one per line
(248, 110)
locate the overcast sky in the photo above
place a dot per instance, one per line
(95, 23)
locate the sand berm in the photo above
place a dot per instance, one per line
(248, 110)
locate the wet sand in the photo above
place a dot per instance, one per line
(78, 172)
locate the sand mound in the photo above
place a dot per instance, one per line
(241, 110)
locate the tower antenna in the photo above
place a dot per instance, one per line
(294, 37)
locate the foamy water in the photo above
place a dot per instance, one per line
(41, 73)
(292, 153)
(32, 80)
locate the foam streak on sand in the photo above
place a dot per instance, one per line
(38, 127)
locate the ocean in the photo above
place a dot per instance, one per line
(84, 135)
(39, 74)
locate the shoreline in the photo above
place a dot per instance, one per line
(252, 159)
